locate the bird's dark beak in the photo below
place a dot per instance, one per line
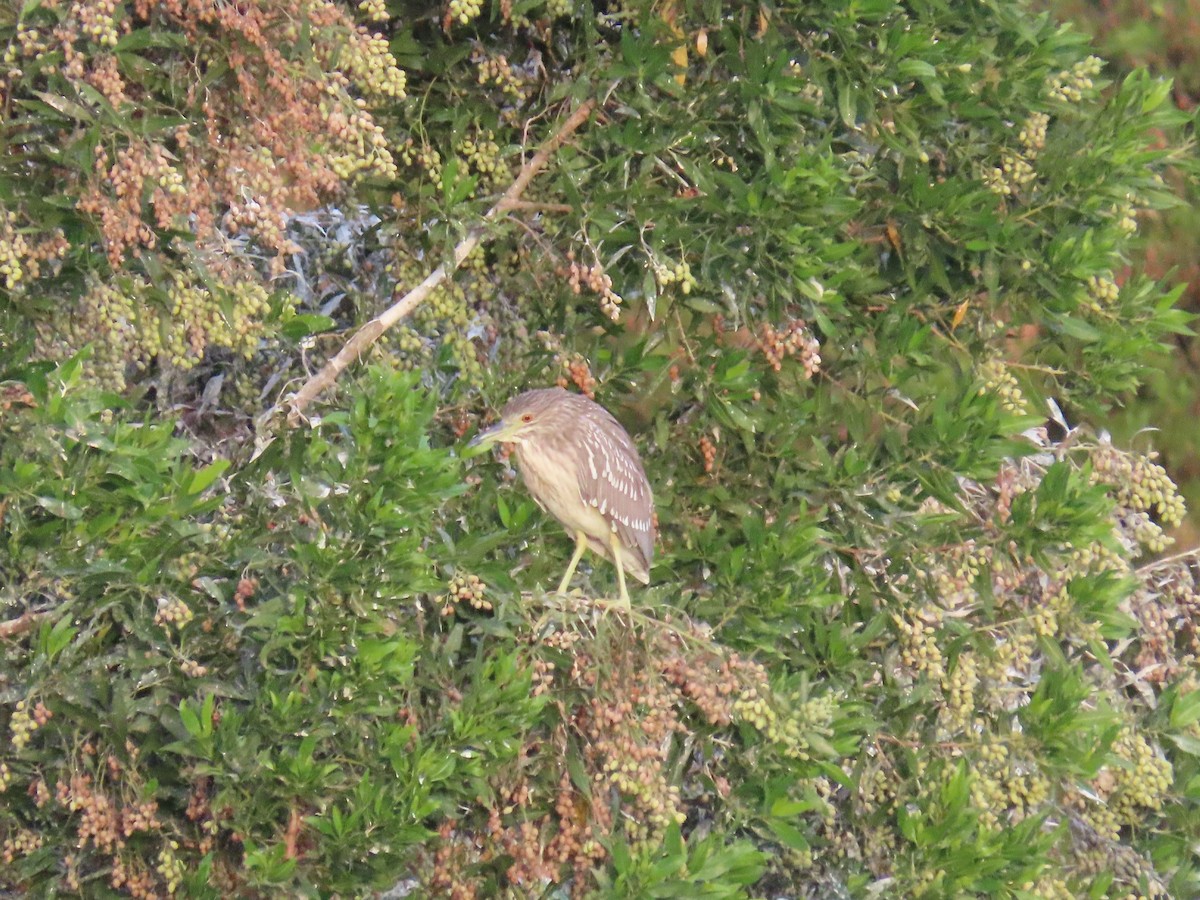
(485, 438)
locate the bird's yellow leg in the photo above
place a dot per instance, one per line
(581, 543)
(615, 545)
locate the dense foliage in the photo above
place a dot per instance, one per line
(826, 260)
(1162, 37)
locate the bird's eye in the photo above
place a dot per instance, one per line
(528, 417)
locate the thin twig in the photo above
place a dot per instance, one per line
(1192, 554)
(19, 625)
(534, 206)
(370, 332)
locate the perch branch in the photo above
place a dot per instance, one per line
(371, 331)
(14, 627)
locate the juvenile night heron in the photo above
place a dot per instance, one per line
(581, 466)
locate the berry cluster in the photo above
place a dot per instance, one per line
(1070, 85)
(19, 843)
(464, 11)
(495, 71)
(482, 156)
(170, 867)
(575, 370)
(1103, 292)
(13, 250)
(468, 589)
(1121, 793)
(24, 722)
(443, 321)
(596, 280)
(367, 61)
(999, 380)
(919, 649)
(1014, 173)
(571, 368)
(793, 341)
(958, 687)
(1141, 488)
(1032, 135)
(677, 275)
(1006, 791)
(172, 613)
(374, 10)
(1126, 214)
(423, 157)
(708, 452)
(360, 146)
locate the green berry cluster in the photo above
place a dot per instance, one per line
(172, 613)
(443, 321)
(1097, 558)
(410, 343)
(464, 11)
(1102, 292)
(25, 721)
(998, 380)
(1126, 214)
(877, 789)
(1070, 85)
(124, 332)
(1141, 484)
(446, 306)
(13, 250)
(1013, 657)
(1049, 888)
(786, 721)
(1140, 781)
(954, 573)
(1050, 613)
(1145, 532)
(359, 146)
(677, 274)
(919, 650)
(482, 156)
(1014, 173)
(97, 22)
(1006, 792)
(958, 708)
(30, 43)
(423, 157)
(468, 589)
(128, 330)
(198, 320)
(495, 71)
(170, 867)
(374, 10)
(1032, 135)
(368, 62)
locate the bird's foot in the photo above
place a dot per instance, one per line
(617, 605)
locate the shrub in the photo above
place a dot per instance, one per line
(904, 635)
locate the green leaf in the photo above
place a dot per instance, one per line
(1185, 710)
(202, 478)
(61, 508)
(304, 324)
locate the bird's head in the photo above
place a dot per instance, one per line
(523, 417)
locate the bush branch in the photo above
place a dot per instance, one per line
(370, 332)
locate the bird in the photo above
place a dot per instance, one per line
(582, 467)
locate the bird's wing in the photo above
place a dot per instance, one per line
(612, 481)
